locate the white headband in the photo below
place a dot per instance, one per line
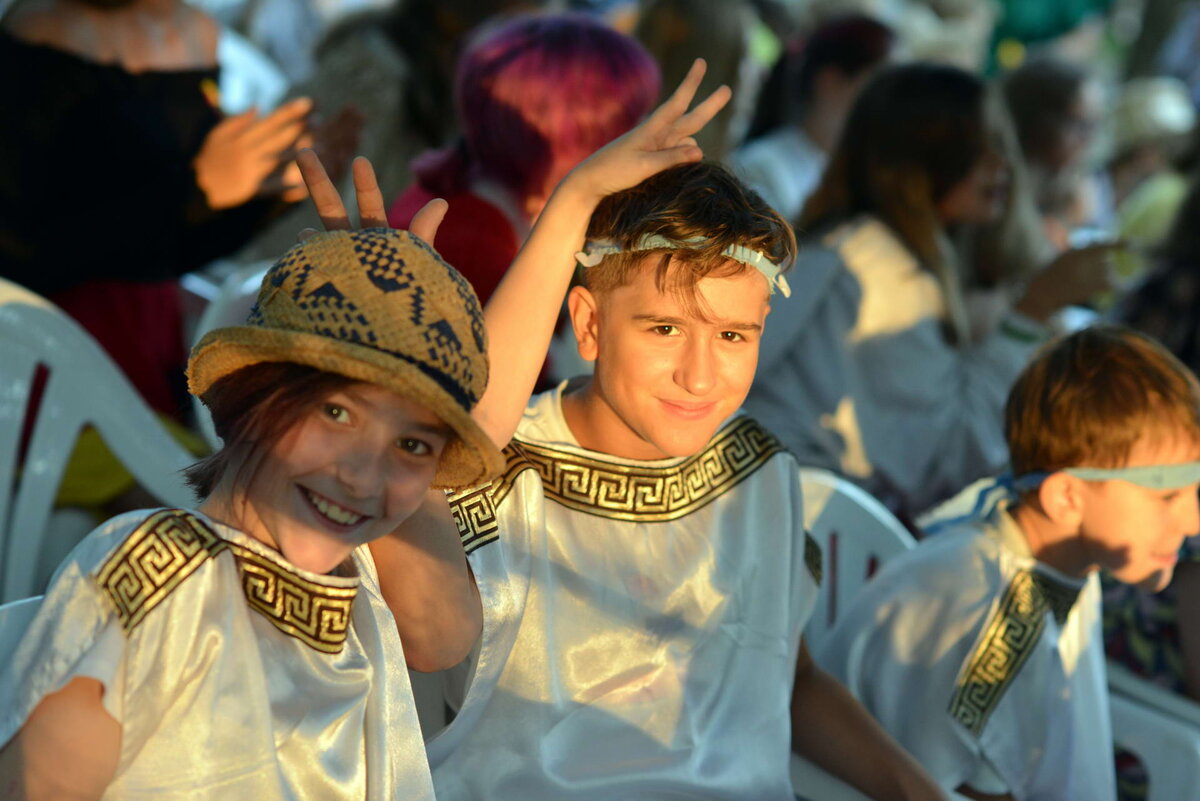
(594, 252)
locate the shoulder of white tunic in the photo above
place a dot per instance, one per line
(1015, 624)
(163, 550)
(616, 490)
(868, 245)
(153, 560)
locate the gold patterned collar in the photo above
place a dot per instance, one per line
(1058, 590)
(172, 544)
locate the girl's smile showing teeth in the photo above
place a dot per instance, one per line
(331, 511)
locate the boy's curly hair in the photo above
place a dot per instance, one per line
(1087, 398)
(698, 200)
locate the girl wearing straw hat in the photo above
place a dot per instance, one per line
(245, 649)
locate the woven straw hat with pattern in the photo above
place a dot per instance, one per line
(378, 306)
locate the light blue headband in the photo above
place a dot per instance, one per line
(595, 251)
(1155, 476)
(1005, 487)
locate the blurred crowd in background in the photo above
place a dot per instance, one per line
(960, 173)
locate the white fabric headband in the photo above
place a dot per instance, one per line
(594, 252)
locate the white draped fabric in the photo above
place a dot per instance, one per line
(642, 621)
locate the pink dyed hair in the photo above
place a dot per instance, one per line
(537, 95)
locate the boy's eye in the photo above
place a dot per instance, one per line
(414, 446)
(665, 330)
(337, 413)
(732, 336)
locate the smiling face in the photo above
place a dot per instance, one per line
(354, 467)
(1136, 532)
(666, 376)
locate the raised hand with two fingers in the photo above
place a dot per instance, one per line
(372, 211)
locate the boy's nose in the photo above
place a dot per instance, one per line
(1191, 522)
(697, 370)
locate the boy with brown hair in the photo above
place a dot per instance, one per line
(980, 650)
(642, 561)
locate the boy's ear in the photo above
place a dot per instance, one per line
(1061, 500)
(584, 309)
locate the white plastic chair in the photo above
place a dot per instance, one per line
(83, 387)
(15, 618)
(1123, 681)
(229, 306)
(857, 535)
(1168, 748)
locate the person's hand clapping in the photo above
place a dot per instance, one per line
(246, 156)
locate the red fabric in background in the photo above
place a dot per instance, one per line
(475, 238)
(141, 327)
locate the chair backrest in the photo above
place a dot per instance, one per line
(230, 306)
(1168, 748)
(857, 534)
(1124, 681)
(15, 618)
(83, 387)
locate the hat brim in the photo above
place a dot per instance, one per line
(470, 459)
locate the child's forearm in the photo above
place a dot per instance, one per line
(428, 587)
(523, 310)
(835, 732)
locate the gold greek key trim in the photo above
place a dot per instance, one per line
(313, 613)
(155, 558)
(616, 491)
(475, 515)
(812, 557)
(172, 544)
(1009, 637)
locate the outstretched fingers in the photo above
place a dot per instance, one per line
(697, 118)
(371, 210)
(324, 194)
(426, 221)
(677, 104)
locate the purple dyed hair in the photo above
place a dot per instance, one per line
(536, 96)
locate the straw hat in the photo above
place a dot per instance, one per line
(378, 306)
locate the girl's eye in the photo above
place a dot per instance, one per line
(665, 330)
(731, 336)
(337, 413)
(414, 446)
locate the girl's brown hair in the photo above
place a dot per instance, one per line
(914, 133)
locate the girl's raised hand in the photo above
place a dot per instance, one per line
(371, 210)
(662, 140)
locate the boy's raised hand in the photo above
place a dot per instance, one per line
(662, 140)
(371, 210)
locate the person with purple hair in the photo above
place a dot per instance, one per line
(803, 105)
(535, 95)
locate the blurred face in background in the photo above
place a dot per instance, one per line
(982, 195)
(1076, 128)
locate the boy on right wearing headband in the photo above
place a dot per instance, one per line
(980, 650)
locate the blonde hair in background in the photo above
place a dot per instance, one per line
(677, 32)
